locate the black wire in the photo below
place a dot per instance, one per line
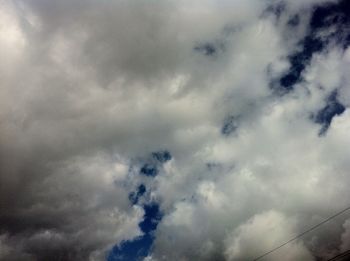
(300, 235)
(341, 255)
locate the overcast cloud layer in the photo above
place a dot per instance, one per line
(206, 130)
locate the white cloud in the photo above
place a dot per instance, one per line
(262, 233)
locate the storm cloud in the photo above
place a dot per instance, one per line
(173, 130)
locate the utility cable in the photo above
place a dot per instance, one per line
(303, 233)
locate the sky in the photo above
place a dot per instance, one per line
(149, 130)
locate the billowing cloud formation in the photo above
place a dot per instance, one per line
(173, 130)
(273, 224)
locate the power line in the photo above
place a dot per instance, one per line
(303, 233)
(340, 256)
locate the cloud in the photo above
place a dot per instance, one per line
(273, 228)
(211, 111)
(345, 237)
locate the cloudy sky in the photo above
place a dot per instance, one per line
(154, 130)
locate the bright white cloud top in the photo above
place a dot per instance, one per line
(173, 130)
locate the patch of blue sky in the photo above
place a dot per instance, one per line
(162, 156)
(135, 196)
(230, 125)
(335, 15)
(140, 247)
(149, 170)
(332, 108)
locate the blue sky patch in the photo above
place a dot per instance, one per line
(133, 250)
(331, 14)
(326, 114)
(151, 218)
(299, 60)
(149, 170)
(323, 17)
(135, 196)
(140, 247)
(336, 15)
(230, 125)
(162, 156)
